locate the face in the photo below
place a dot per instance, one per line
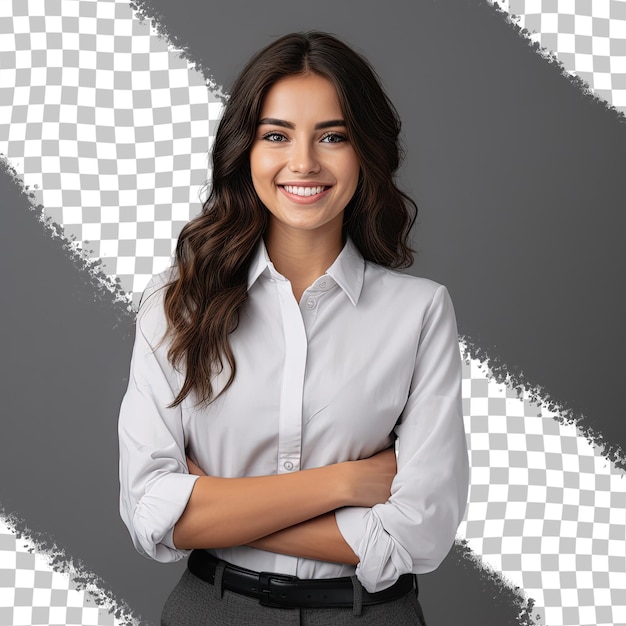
(304, 168)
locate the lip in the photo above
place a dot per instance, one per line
(304, 199)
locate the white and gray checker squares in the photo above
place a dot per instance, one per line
(545, 507)
(31, 592)
(114, 128)
(587, 36)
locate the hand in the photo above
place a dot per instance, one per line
(193, 468)
(371, 478)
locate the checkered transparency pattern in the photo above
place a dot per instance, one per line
(587, 37)
(111, 127)
(545, 507)
(114, 129)
(31, 592)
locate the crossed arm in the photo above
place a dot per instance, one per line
(288, 513)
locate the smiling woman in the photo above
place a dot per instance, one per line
(281, 359)
(305, 171)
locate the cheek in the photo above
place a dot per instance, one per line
(256, 163)
(263, 174)
(263, 164)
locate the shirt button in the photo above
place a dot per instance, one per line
(323, 284)
(310, 304)
(288, 465)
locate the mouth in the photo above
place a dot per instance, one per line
(305, 191)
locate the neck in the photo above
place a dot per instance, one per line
(302, 256)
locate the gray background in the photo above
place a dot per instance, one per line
(517, 176)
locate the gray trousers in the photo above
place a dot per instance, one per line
(194, 602)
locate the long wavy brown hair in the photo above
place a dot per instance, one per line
(215, 249)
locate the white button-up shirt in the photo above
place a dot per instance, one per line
(368, 355)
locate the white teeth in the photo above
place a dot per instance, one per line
(304, 191)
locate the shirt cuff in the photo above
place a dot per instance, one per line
(352, 522)
(158, 511)
(381, 559)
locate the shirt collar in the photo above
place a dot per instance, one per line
(347, 270)
(260, 263)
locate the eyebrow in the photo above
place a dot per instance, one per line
(284, 124)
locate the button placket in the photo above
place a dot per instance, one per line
(292, 389)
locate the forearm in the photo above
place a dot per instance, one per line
(317, 538)
(224, 512)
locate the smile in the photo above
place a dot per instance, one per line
(304, 191)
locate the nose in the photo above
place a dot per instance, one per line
(303, 159)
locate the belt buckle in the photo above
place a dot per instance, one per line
(265, 587)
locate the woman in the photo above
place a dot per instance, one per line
(279, 361)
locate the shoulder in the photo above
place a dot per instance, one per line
(413, 301)
(151, 320)
(156, 284)
(401, 286)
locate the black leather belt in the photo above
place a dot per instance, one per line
(278, 590)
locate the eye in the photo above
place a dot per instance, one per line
(274, 137)
(334, 137)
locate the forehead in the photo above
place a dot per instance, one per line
(304, 97)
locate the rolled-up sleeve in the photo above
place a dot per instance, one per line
(414, 530)
(154, 481)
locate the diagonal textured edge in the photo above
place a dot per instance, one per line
(59, 561)
(90, 267)
(514, 378)
(142, 13)
(545, 507)
(118, 148)
(507, 373)
(510, 596)
(551, 57)
(99, 285)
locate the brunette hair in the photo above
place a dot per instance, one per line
(215, 249)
